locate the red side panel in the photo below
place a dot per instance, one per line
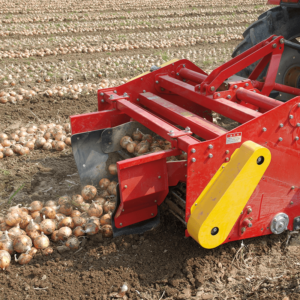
(274, 2)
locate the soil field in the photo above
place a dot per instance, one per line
(54, 56)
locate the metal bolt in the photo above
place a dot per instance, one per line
(219, 95)
(156, 81)
(184, 80)
(102, 94)
(187, 129)
(235, 86)
(274, 45)
(297, 138)
(193, 159)
(193, 150)
(228, 97)
(249, 210)
(152, 214)
(247, 84)
(227, 151)
(125, 95)
(183, 66)
(298, 124)
(102, 100)
(264, 129)
(137, 99)
(292, 187)
(115, 91)
(281, 41)
(254, 91)
(144, 91)
(292, 202)
(281, 125)
(121, 224)
(159, 177)
(196, 204)
(250, 225)
(210, 146)
(123, 209)
(298, 105)
(125, 186)
(243, 229)
(185, 165)
(242, 212)
(177, 74)
(291, 116)
(280, 139)
(227, 158)
(155, 201)
(141, 78)
(171, 132)
(111, 96)
(212, 88)
(210, 155)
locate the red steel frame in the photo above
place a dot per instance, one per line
(182, 94)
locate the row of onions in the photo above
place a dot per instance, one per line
(46, 17)
(116, 25)
(46, 137)
(131, 41)
(27, 230)
(35, 7)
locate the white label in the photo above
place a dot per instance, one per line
(233, 138)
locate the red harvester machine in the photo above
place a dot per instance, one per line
(234, 184)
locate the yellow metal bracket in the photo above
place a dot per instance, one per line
(163, 65)
(219, 206)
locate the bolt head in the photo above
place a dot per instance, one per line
(115, 91)
(193, 159)
(228, 97)
(249, 210)
(235, 86)
(193, 150)
(156, 81)
(291, 116)
(210, 155)
(227, 158)
(212, 88)
(210, 146)
(187, 129)
(227, 151)
(177, 74)
(274, 45)
(250, 225)
(219, 95)
(111, 96)
(281, 125)
(159, 177)
(243, 229)
(152, 214)
(102, 94)
(280, 139)
(298, 104)
(292, 202)
(292, 187)
(155, 201)
(102, 100)
(144, 91)
(121, 224)
(281, 41)
(125, 186)
(247, 84)
(264, 129)
(183, 66)
(297, 138)
(137, 99)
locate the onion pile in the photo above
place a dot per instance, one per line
(140, 143)
(46, 136)
(27, 230)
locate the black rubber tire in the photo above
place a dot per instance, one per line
(279, 21)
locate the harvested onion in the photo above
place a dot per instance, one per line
(104, 183)
(22, 243)
(63, 233)
(113, 169)
(107, 231)
(91, 228)
(95, 210)
(77, 200)
(66, 209)
(124, 141)
(41, 242)
(89, 192)
(47, 226)
(73, 243)
(23, 259)
(35, 206)
(105, 220)
(5, 259)
(79, 231)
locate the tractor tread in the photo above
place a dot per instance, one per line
(277, 20)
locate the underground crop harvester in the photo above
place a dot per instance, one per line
(233, 184)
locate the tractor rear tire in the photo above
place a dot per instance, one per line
(279, 21)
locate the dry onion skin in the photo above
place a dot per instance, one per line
(32, 226)
(105, 220)
(66, 222)
(79, 231)
(109, 206)
(73, 243)
(47, 226)
(41, 242)
(77, 200)
(66, 209)
(137, 135)
(104, 183)
(75, 213)
(54, 236)
(7, 244)
(5, 259)
(107, 231)
(95, 210)
(47, 251)
(79, 221)
(48, 212)
(22, 243)
(64, 233)
(89, 192)
(91, 228)
(23, 259)
(35, 206)
(124, 141)
(12, 219)
(112, 169)
(63, 199)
